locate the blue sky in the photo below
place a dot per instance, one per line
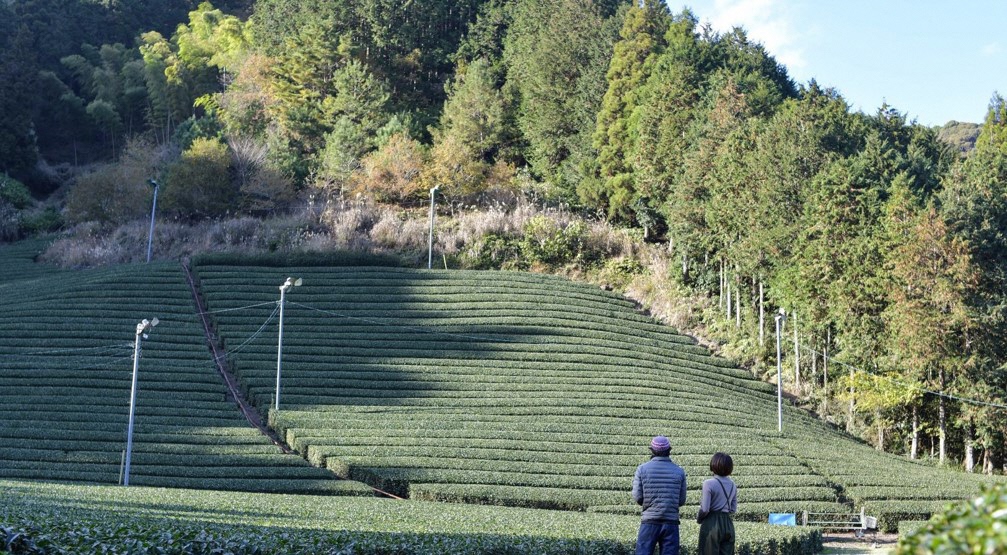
(932, 60)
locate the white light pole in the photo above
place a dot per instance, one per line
(780, 319)
(153, 208)
(142, 329)
(291, 282)
(430, 244)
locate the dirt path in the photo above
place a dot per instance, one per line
(848, 544)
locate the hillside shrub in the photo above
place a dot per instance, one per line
(978, 526)
(199, 184)
(391, 173)
(112, 194)
(455, 168)
(44, 221)
(493, 251)
(550, 243)
(116, 193)
(264, 189)
(14, 192)
(621, 271)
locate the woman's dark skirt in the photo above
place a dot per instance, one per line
(716, 535)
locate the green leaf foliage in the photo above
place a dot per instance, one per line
(40, 519)
(199, 185)
(557, 65)
(977, 526)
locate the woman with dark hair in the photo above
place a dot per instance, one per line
(718, 502)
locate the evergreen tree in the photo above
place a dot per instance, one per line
(930, 275)
(556, 53)
(18, 75)
(665, 114)
(687, 208)
(974, 205)
(474, 112)
(303, 82)
(634, 55)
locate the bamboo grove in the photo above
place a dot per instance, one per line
(881, 241)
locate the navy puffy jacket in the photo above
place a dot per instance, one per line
(659, 486)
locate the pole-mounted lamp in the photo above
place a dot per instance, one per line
(153, 209)
(142, 329)
(287, 285)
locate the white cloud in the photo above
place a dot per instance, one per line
(992, 49)
(765, 21)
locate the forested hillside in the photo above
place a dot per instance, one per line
(881, 239)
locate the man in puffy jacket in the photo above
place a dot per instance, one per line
(659, 487)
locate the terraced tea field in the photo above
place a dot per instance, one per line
(66, 345)
(108, 519)
(488, 388)
(526, 390)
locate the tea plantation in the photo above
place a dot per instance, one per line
(529, 390)
(506, 395)
(66, 346)
(53, 518)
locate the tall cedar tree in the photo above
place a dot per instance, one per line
(927, 319)
(18, 74)
(557, 52)
(642, 40)
(668, 107)
(974, 203)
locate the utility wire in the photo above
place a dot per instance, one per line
(219, 311)
(251, 337)
(907, 384)
(69, 350)
(108, 362)
(404, 326)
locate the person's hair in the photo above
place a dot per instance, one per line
(663, 453)
(721, 464)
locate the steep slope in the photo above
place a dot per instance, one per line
(66, 345)
(497, 387)
(530, 390)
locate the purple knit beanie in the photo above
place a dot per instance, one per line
(660, 443)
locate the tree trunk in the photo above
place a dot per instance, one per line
(914, 449)
(814, 362)
(825, 371)
(727, 289)
(987, 462)
(721, 303)
(797, 354)
(853, 405)
(996, 460)
(762, 316)
(881, 432)
(942, 417)
(737, 303)
(970, 462)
